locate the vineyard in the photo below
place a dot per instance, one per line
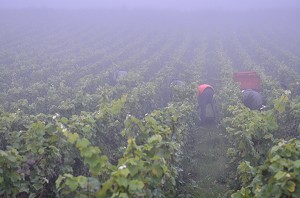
(68, 129)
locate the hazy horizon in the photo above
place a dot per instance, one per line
(177, 5)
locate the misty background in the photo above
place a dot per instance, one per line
(86, 25)
(182, 5)
(59, 56)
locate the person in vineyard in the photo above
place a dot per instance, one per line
(118, 75)
(176, 87)
(252, 99)
(206, 97)
(177, 82)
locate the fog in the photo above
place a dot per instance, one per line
(182, 5)
(121, 76)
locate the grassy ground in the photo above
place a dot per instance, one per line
(204, 164)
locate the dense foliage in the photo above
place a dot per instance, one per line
(278, 176)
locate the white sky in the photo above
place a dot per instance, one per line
(160, 4)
